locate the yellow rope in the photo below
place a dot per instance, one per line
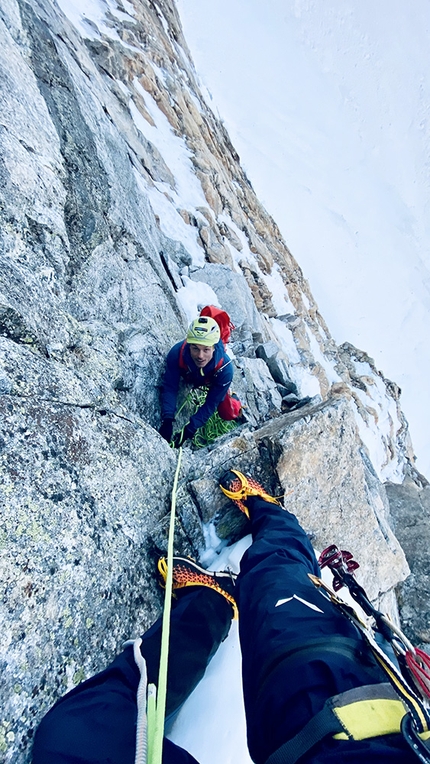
(157, 698)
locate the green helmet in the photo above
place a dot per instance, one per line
(203, 331)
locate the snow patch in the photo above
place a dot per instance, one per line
(211, 724)
(173, 149)
(124, 88)
(187, 192)
(194, 295)
(80, 12)
(286, 340)
(161, 73)
(339, 156)
(378, 431)
(280, 297)
(170, 221)
(246, 253)
(306, 382)
(121, 15)
(320, 358)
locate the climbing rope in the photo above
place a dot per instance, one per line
(214, 427)
(142, 717)
(196, 398)
(156, 709)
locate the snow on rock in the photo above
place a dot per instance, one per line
(186, 196)
(307, 384)
(173, 150)
(338, 153)
(381, 424)
(280, 297)
(193, 296)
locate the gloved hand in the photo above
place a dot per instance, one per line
(180, 437)
(166, 429)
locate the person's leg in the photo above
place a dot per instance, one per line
(298, 649)
(230, 407)
(200, 622)
(96, 722)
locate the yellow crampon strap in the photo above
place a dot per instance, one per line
(157, 697)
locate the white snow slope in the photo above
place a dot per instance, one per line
(328, 106)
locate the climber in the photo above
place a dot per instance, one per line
(303, 663)
(95, 723)
(299, 651)
(201, 361)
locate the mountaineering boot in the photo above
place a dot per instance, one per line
(238, 487)
(186, 572)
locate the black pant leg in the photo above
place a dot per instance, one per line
(200, 622)
(95, 723)
(280, 612)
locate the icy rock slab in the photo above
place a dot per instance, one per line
(330, 486)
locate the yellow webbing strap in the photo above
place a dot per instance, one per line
(357, 714)
(369, 718)
(157, 698)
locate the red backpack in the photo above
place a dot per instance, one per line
(223, 320)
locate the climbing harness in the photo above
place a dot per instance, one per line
(357, 714)
(156, 699)
(371, 710)
(410, 678)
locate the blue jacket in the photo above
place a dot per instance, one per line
(217, 379)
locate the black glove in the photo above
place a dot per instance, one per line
(180, 437)
(166, 429)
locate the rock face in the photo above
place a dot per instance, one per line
(123, 206)
(410, 509)
(327, 481)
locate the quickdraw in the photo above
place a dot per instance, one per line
(412, 681)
